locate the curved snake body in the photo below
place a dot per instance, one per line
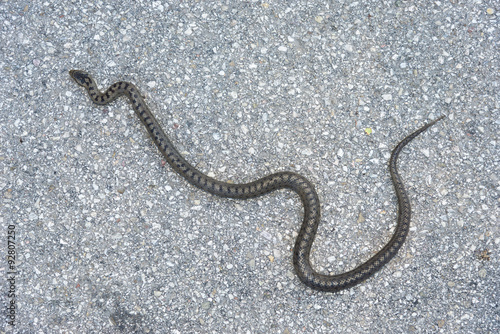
(267, 184)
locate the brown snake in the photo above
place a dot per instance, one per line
(267, 184)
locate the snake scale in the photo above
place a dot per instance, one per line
(267, 184)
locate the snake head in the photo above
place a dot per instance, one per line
(82, 78)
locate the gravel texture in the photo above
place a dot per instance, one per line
(109, 240)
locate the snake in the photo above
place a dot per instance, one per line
(280, 180)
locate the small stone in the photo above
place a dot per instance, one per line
(267, 235)
(490, 11)
(387, 97)
(8, 193)
(443, 191)
(307, 151)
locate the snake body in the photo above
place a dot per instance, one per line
(267, 184)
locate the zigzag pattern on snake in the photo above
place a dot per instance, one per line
(267, 184)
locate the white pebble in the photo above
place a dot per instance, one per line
(307, 151)
(267, 235)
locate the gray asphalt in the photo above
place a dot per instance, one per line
(109, 240)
